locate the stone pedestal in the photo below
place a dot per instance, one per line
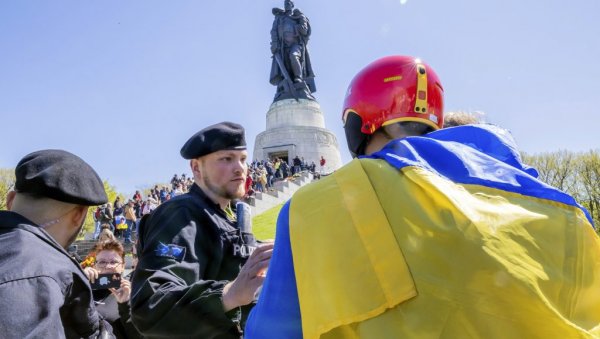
(298, 128)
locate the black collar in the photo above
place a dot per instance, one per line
(12, 220)
(196, 190)
(199, 193)
(9, 219)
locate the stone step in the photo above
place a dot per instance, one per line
(281, 192)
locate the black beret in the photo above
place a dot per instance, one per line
(61, 176)
(218, 137)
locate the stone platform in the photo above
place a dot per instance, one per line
(298, 128)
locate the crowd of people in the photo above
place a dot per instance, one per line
(264, 173)
(122, 218)
(430, 232)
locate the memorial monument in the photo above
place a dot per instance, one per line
(295, 124)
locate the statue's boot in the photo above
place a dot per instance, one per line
(296, 68)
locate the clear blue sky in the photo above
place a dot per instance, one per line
(123, 84)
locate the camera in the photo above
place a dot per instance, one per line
(106, 281)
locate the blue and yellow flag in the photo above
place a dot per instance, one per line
(443, 236)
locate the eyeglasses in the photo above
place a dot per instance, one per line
(108, 263)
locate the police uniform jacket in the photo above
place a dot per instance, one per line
(188, 251)
(43, 292)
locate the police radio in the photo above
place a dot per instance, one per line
(244, 216)
(244, 224)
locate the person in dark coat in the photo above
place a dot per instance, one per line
(198, 275)
(43, 291)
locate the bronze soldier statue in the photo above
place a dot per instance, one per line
(291, 69)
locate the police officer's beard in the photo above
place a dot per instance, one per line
(221, 191)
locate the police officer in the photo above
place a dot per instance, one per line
(195, 276)
(43, 291)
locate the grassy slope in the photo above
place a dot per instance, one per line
(263, 225)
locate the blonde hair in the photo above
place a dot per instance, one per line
(108, 233)
(459, 118)
(110, 245)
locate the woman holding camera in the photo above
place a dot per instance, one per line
(112, 302)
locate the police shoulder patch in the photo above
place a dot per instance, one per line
(170, 251)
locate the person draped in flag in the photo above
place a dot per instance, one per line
(429, 232)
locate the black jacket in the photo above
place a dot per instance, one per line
(117, 314)
(43, 292)
(187, 254)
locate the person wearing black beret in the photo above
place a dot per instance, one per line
(43, 291)
(196, 276)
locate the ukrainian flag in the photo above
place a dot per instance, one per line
(443, 236)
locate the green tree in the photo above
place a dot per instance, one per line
(577, 174)
(588, 171)
(7, 181)
(555, 169)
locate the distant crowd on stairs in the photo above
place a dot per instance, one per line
(264, 173)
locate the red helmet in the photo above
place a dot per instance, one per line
(391, 89)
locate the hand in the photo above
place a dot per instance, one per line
(91, 274)
(243, 288)
(123, 293)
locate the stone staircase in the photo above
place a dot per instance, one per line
(281, 192)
